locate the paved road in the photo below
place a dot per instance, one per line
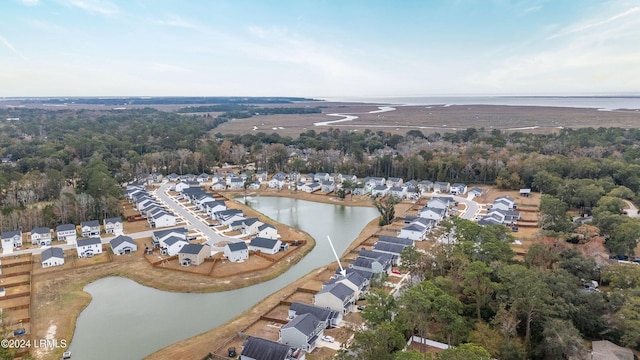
(195, 221)
(471, 207)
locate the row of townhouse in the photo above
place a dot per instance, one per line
(428, 218)
(156, 214)
(336, 298)
(42, 236)
(501, 211)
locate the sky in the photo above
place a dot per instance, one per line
(318, 48)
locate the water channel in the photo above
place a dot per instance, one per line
(126, 320)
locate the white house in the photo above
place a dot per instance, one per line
(250, 226)
(264, 245)
(41, 236)
(89, 247)
(504, 203)
(393, 181)
(219, 185)
(379, 190)
(11, 240)
(277, 182)
(437, 203)
(172, 245)
(113, 226)
(433, 213)
(236, 183)
(90, 228)
(158, 237)
(441, 187)
(52, 256)
(160, 219)
(122, 244)
(311, 187)
(268, 231)
(327, 186)
(398, 191)
(417, 229)
(66, 232)
(475, 192)
(458, 189)
(236, 251)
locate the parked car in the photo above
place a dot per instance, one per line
(397, 272)
(328, 338)
(362, 307)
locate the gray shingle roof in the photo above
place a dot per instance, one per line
(91, 223)
(238, 246)
(262, 349)
(323, 314)
(118, 240)
(395, 240)
(89, 241)
(41, 230)
(66, 227)
(263, 243)
(339, 290)
(51, 253)
(305, 323)
(191, 249)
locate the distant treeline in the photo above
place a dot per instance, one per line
(250, 110)
(164, 100)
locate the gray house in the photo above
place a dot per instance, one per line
(336, 296)
(302, 332)
(331, 318)
(123, 245)
(52, 257)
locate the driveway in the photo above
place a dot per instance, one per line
(195, 221)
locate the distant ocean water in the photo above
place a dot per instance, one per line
(595, 102)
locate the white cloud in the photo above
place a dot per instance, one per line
(585, 56)
(594, 23)
(11, 47)
(45, 25)
(100, 7)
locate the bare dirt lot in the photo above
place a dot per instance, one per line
(439, 118)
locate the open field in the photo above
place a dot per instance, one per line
(429, 119)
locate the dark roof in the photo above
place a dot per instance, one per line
(305, 323)
(353, 277)
(162, 233)
(389, 247)
(380, 187)
(237, 246)
(66, 227)
(89, 241)
(113, 220)
(323, 314)
(118, 240)
(91, 223)
(265, 226)
(52, 252)
(414, 227)
(262, 349)
(172, 240)
(10, 234)
(371, 254)
(339, 290)
(395, 240)
(250, 221)
(365, 274)
(362, 262)
(263, 243)
(41, 230)
(191, 249)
